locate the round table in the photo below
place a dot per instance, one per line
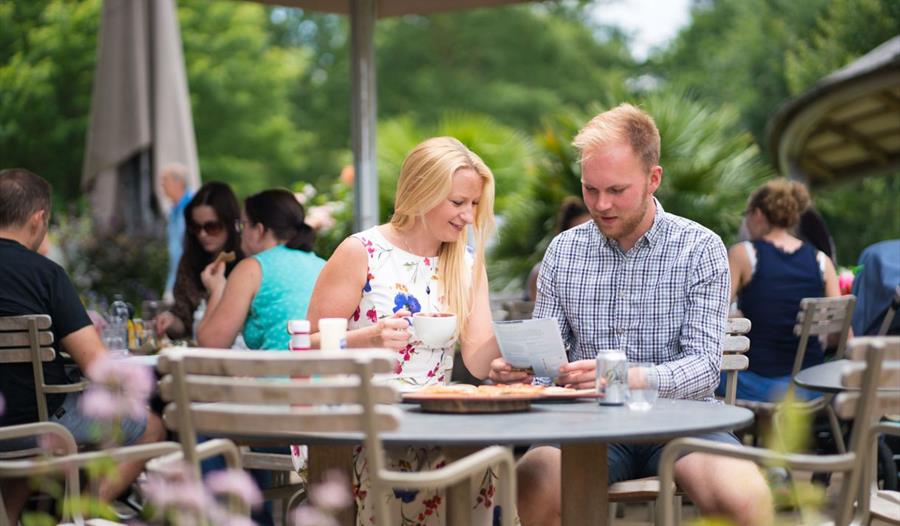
(582, 429)
(826, 378)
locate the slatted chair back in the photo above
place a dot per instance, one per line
(260, 393)
(890, 313)
(821, 317)
(735, 345)
(886, 396)
(28, 339)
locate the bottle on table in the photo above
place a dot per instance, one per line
(117, 329)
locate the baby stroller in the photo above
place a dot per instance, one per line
(877, 291)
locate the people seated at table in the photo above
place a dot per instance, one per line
(658, 290)
(770, 274)
(572, 212)
(418, 262)
(270, 286)
(211, 219)
(32, 284)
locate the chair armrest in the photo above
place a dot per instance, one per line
(44, 466)
(210, 448)
(676, 448)
(66, 388)
(451, 473)
(41, 428)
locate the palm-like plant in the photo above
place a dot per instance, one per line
(710, 167)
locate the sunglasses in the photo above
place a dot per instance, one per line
(212, 228)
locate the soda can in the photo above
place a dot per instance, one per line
(612, 377)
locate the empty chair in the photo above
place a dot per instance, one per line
(874, 363)
(249, 394)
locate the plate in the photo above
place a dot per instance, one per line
(572, 396)
(448, 403)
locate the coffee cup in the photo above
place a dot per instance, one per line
(434, 329)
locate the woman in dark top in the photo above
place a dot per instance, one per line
(211, 219)
(770, 274)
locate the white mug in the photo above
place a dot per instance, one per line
(434, 329)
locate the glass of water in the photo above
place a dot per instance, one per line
(644, 388)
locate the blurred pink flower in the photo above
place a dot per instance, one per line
(234, 482)
(320, 217)
(117, 389)
(333, 493)
(845, 281)
(310, 516)
(176, 487)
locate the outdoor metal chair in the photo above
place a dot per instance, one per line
(734, 347)
(69, 463)
(28, 339)
(875, 362)
(817, 318)
(249, 394)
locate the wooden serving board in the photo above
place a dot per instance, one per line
(471, 404)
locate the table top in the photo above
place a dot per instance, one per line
(558, 423)
(825, 378)
(149, 360)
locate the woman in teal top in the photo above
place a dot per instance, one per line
(266, 290)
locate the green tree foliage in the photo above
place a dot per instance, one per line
(710, 166)
(733, 53)
(512, 63)
(241, 85)
(47, 50)
(847, 30)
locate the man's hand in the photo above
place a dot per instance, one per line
(504, 373)
(578, 375)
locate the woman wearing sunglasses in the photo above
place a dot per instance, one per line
(210, 218)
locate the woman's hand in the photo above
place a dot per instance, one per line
(392, 332)
(504, 373)
(213, 277)
(578, 375)
(166, 322)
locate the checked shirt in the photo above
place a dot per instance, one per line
(664, 301)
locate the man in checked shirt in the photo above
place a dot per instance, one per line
(654, 284)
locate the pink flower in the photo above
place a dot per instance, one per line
(118, 389)
(234, 482)
(98, 403)
(320, 217)
(845, 281)
(333, 493)
(176, 487)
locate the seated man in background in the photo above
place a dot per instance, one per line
(653, 285)
(32, 284)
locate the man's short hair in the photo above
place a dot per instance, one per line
(22, 193)
(177, 172)
(624, 122)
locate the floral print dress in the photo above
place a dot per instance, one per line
(398, 279)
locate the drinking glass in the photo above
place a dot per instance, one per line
(642, 393)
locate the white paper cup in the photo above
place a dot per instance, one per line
(434, 329)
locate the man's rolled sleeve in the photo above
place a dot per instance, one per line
(695, 374)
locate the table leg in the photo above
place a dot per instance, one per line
(326, 457)
(459, 496)
(585, 495)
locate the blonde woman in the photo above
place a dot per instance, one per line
(419, 262)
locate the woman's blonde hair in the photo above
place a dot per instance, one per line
(426, 178)
(781, 201)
